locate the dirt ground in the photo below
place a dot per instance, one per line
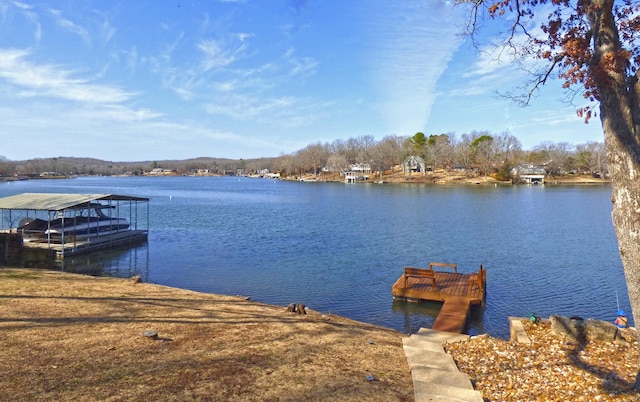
(71, 337)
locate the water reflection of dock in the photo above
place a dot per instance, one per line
(456, 290)
(120, 262)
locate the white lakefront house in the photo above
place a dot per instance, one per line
(529, 173)
(357, 172)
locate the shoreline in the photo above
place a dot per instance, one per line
(431, 179)
(440, 178)
(77, 337)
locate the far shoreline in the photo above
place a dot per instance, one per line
(439, 179)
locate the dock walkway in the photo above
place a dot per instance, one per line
(457, 291)
(453, 315)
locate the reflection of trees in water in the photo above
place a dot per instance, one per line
(424, 314)
(416, 315)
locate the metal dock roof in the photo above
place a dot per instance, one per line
(58, 202)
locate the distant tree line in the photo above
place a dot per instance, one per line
(65, 166)
(478, 150)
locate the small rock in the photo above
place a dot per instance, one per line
(150, 334)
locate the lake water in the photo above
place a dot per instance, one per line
(338, 248)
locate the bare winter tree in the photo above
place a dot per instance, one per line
(336, 163)
(590, 157)
(464, 151)
(435, 148)
(508, 147)
(392, 146)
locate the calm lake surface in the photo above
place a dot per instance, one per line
(338, 248)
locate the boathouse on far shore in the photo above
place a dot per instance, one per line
(529, 173)
(50, 226)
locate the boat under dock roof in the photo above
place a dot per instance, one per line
(25, 206)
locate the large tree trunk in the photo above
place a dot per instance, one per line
(625, 185)
(619, 113)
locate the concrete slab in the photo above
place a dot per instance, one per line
(518, 333)
(440, 336)
(435, 374)
(417, 342)
(425, 391)
(419, 357)
(442, 377)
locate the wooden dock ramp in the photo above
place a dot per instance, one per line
(454, 315)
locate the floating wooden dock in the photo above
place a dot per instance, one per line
(75, 246)
(457, 291)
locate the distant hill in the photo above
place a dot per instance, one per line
(91, 166)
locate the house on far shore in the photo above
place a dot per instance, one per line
(160, 172)
(529, 173)
(414, 164)
(357, 172)
(353, 177)
(361, 168)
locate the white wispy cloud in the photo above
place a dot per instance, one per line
(25, 10)
(414, 42)
(18, 4)
(216, 54)
(37, 34)
(53, 81)
(555, 117)
(70, 25)
(285, 111)
(120, 113)
(505, 66)
(492, 60)
(107, 30)
(300, 66)
(131, 58)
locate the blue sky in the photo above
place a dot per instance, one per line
(153, 80)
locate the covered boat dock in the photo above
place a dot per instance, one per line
(123, 221)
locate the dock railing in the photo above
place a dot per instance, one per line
(444, 265)
(428, 274)
(478, 279)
